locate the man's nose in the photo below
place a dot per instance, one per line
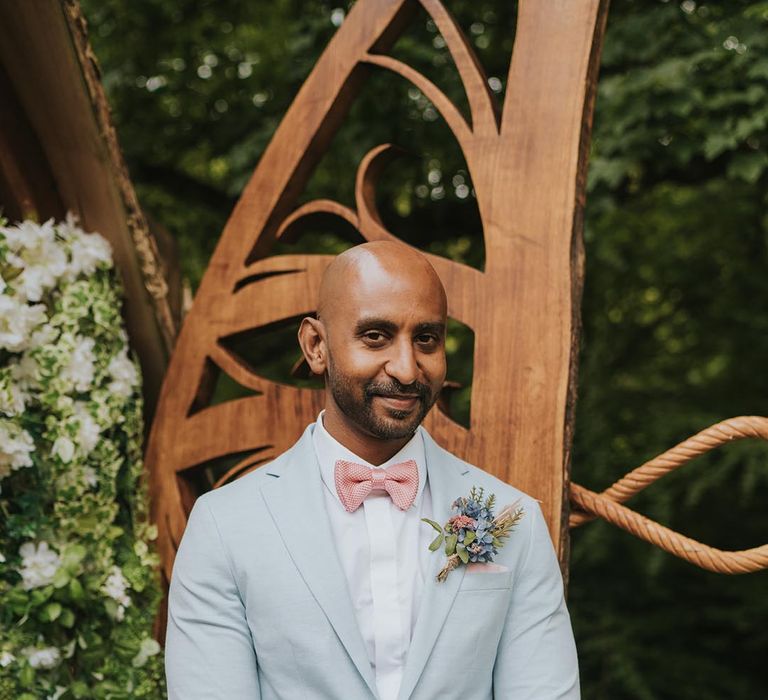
(402, 363)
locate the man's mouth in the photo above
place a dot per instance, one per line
(401, 402)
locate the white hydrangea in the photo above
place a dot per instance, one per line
(42, 657)
(88, 429)
(124, 375)
(6, 658)
(81, 368)
(116, 587)
(12, 397)
(39, 256)
(63, 448)
(149, 647)
(39, 565)
(89, 250)
(90, 477)
(17, 322)
(16, 445)
(25, 372)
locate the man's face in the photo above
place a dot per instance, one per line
(386, 354)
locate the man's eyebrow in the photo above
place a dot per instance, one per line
(383, 324)
(436, 327)
(367, 324)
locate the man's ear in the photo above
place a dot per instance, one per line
(313, 344)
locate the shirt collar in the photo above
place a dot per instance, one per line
(328, 450)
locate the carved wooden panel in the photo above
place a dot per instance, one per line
(527, 161)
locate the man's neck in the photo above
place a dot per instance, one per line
(372, 449)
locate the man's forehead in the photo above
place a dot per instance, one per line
(393, 281)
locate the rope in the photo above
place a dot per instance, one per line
(607, 505)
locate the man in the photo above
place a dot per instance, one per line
(312, 576)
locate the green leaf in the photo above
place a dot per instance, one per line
(432, 523)
(67, 618)
(52, 611)
(27, 676)
(463, 554)
(76, 591)
(79, 689)
(73, 555)
(436, 543)
(450, 544)
(61, 577)
(469, 537)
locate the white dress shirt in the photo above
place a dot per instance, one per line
(383, 553)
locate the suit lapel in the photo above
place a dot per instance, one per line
(447, 481)
(295, 502)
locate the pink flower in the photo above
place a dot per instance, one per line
(457, 522)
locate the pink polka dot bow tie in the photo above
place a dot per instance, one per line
(354, 482)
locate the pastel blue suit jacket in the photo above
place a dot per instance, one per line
(259, 606)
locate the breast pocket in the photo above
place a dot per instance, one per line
(486, 581)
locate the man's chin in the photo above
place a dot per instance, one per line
(396, 425)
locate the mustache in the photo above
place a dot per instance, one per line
(395, 388)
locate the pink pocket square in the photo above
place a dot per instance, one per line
(490, 568)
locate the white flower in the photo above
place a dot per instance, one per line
(40, 256)
(80, 370)
(63, 448)
(124, 375)
(42, 657)
(12, 396)
(88, 251)
(17, 321)
(15, 447)
(149, 647)
(6, 659)
(38, 565)
(90, 477)
(26, 371)
(115, 587)
(2, 558)
(60, 690)
(88, 430)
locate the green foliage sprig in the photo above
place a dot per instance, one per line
(78, 588)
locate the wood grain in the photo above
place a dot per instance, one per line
(527, 162)
(59, 153)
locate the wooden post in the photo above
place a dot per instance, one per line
(59, 153)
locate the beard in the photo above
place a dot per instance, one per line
(357, 405)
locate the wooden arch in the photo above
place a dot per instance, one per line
(527, 161)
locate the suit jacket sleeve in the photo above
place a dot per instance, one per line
(536, 658)
(209, 651)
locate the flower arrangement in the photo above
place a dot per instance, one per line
(78, 588)
(473, 534)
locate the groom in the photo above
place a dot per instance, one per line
(311, 578)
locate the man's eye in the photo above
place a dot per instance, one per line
(426, 339)
(374, 336)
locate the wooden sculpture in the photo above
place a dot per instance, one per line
(526, 159)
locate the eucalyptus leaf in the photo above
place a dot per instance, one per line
(450, 544)
(436, 543)
(463, 554)
(433, 524)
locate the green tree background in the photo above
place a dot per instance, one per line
(675, 320)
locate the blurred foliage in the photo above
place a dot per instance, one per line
(675, 323)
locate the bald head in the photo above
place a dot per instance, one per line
(387, 265)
